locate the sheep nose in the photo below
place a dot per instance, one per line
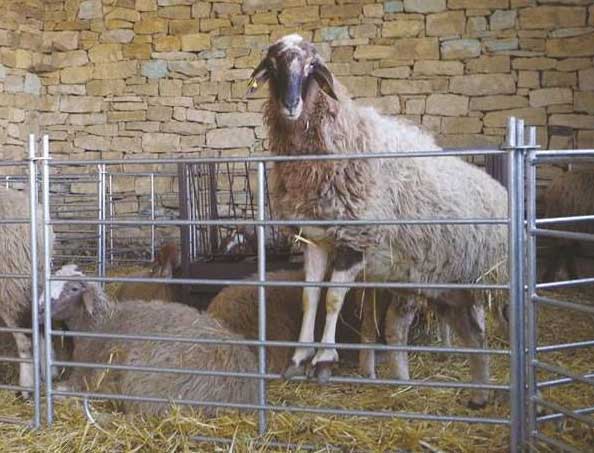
(292, 105)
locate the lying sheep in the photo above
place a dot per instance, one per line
(165, 265)
(570, 194)
(309, 112)
(237, 308)
(15, 258)
(83, 306)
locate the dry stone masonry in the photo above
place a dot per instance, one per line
(118, 78)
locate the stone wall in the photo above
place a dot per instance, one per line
(113, 78)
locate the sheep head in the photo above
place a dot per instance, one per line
(294, 70)
(71, 299)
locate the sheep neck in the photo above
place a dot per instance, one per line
(304, 136)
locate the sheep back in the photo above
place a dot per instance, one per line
(166, 318)
(444, 187)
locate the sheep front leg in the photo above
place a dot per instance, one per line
(347, 266)
(25, 369)
(316, 261)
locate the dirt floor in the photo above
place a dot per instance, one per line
(115, 432)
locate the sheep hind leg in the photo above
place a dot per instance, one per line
(316, 260)
(399, 318)
(369, 330)
(346, 271)
(467, 319)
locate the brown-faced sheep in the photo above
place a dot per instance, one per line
(570, 194)
(83, 306)
(15, 258)
(308, 112)
(165, 265)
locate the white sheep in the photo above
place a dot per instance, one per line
(83, 306)
(15, 258)
(308, 112)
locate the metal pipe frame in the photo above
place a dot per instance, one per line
(518, 164)
(537, 157)
(313, 410)
(34, 282)
(515, 143)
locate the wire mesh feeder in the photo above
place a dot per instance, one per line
(223, 191)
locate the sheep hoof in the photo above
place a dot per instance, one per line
(474, 405)
(25, 395)
(324, 372)
(294, 371)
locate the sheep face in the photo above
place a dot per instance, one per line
(295, 71)
(68, 298)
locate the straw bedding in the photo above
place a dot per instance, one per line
(115, 432)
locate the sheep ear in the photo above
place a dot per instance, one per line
(325, 80)
(258, 77)
(88, 298)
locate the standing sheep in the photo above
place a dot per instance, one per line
(570, 194)
(165, 265)
(15, 294)
(85, 307)
(308, 112)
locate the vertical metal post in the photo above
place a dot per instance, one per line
(111, 209)
(101, 227)
(531, 307)
(261, 229)
(34, 282)
(515, 139)
(152, 217)
(47, 238)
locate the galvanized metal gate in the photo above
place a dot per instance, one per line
(524, 292)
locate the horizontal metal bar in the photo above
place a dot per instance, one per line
(562, 153)
(15, 330)
(15, 388)
(295, 223)
(13, 163)
(582, 378)
(572, 219)
(561, 381)
(563, 410)
(540, 232)
(566, 283)
(246, 342)
(563, 304)
(314, 410)
(271, 158)
(557, 444)
(282, 283)
(565, 346)
(15, 221)
(557, 416)
(16, 276)
(273, 376)
(7, 359)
